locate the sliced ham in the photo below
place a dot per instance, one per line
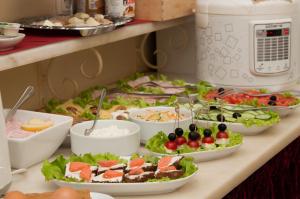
(139, 81)
(173, 91)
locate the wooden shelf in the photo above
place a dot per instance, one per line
(66, 47)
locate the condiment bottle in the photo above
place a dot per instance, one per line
(95, 7)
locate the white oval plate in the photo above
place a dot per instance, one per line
(129, 189)
(285, 111)
(95, 195)
(237, 127)
(203, 156)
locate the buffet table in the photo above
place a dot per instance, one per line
(216, 178)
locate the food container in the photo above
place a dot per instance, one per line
(10, 29)
(162, 10)
(149, 128)
(120, 8)
(120, 145)
(25, 152)
(8, 43)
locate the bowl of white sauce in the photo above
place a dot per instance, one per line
(109, 136)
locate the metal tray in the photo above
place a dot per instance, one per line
(83, 31)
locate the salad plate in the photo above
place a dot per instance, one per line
(158, 174)
(283, 103)
(210, 144)
(247, 122)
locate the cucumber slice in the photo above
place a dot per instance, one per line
(203, 117)
(248, 116)
(263, 117)
(213, 116)
(230, 108)
(230, 119)
(260, 112)
(251, 112)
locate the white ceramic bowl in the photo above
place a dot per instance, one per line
(11, 42)
(237, 127)
(25, 152)
(121, 145)
(149, 129)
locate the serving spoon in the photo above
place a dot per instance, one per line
(24, 97)
(88, 132)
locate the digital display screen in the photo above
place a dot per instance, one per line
(274, 33)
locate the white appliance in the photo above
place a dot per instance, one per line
(5, 171)
(248, 43)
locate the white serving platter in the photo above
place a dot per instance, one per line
(129, 189)
(236, 127)
(203, 156)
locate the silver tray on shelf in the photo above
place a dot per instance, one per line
(83, 31)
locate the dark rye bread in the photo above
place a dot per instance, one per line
(170, 174)
(138, 178)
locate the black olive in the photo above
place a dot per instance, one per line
(236, 115)
(207, 132)
(193, 127)
(220, 118)
(222, 127)
(273, 98)
(172, 136)
(213, 108)
(221, 91)
(272, 103)
(179, 132)
(194, 136)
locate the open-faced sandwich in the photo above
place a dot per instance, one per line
(108, 168)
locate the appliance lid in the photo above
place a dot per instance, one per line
(246, 7)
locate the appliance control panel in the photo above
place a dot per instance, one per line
(272, 47)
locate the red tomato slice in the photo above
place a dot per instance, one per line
(107, 163)
(78, 166)
(112, 174)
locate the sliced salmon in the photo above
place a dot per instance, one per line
(112, 174)
(169, 168)
(136, 171)
(164, 162)
(78, 166)
(86, 173)
(138, 162)
(107, 163)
